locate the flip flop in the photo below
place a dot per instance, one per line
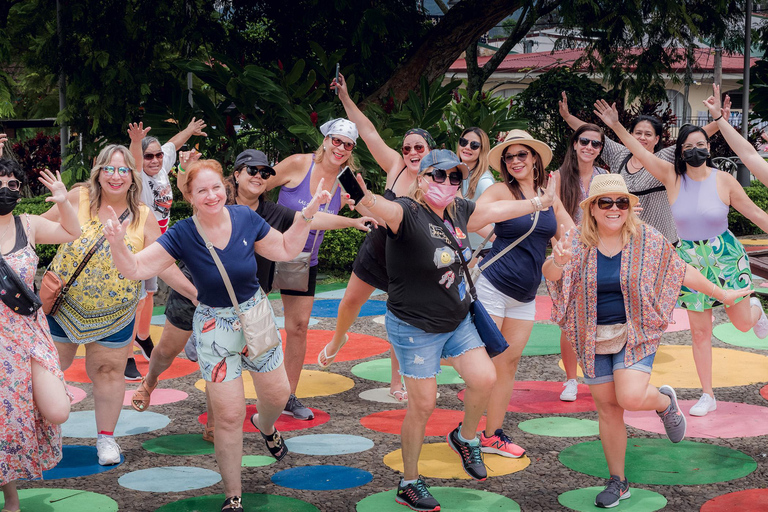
(140, 398)
(329, 359)
(401, 395)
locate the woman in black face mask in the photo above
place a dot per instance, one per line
(700, 198)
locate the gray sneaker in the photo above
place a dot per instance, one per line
(190, 349)
(672, 418)
(297, 409)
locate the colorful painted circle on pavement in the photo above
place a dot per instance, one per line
(729, 334)
(280, 322)
(251, 501)
(728, 421)
(440, 423)
(130, 423)
(750, 500)
(380, 370)
(77, 394)
(679, 321)
(160, 396)
(322, 478)
(543, 397)
(359, 346)
(179, 368)
(685, 463)
(338, 294)
(328, 444)
(544, 340)
(450, 498)
(78, 460)
(640, 500)
(329, 308)
(312, 383)
(438, 460)
(63, 500)
(169, 479)
(560, 426)
(381, 395)
(764, 391)
(543, 308)
(284, 423)
(257, 461)
(178, 444)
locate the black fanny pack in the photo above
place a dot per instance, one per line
(15, 293)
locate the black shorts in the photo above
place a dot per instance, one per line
(310, 286)
(179, 310)
(370, 264)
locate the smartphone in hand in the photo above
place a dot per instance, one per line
(337, 79)
(350, 185)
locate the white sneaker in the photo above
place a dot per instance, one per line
(108, 451)
(571, 389)
(705, 404)
(761, 327)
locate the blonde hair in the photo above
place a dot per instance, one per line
(589, 235)
(417, 194)
(320, 155)
(483, 161)
(134, 191)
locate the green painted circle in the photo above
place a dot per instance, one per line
(659, 462)
(640, 500)
(257, 461)
(64, 500)
(560, 426)
(178, 444)
(544, 340)
(450, 498)
(380, 370)
(251, 502)
(729, 334)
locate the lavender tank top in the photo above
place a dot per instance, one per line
(298, 197)
(698, 211)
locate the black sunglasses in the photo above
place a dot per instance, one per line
(474, 145)
(595, 143)
(152, 156)
(606, 203)
(520, 155)
(253, 171)
(439, 175)
(349, 146)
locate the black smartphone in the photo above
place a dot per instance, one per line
(350, 185)
(337, 79)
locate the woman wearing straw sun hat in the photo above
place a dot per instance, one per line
(511, 272)
(614, 283)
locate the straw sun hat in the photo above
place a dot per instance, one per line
(524, 138)
(608, 185)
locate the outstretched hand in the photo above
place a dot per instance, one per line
(562, 107)
(321, 197)
(137, 132)
(351, 202)
(561, 253)
(731, 296)
(187, 158)
(607, 113)
(713, 103)
(196, 127)
(55, 185)
(341, 86)
(549, 193)
(365, 224)
(114, 230)
(3, 140)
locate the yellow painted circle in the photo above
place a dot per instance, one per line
(437, 460)
(674, 366)
(312, 383)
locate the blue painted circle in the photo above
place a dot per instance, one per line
(328, 444)
(169, 479)
(77, 461)
(329, 308)
(130, 423)
(322, 478)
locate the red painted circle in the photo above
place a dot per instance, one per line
(543, 307)
(284, 423)
(440, 423)
(543, 397)
(359, 346)
(751, 500)
(179, 368)
(764, 392)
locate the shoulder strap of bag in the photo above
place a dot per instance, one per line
(457, 248)
(510, 246)
(219, 265)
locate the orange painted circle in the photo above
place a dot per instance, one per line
(440, 423)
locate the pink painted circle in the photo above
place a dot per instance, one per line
(543, 397)
(728, 421)
(440, 423)
(160, 396)
(680, 317)
(284, 423)
(543, 307)
(77, 394)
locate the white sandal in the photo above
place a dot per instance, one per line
(329, 359)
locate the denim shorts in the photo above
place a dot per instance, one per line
(419, 352)
(606, 364)
(120, 339)
(501, 305)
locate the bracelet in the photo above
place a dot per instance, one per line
(178, 168)
(719, 118)
(536, 202)
(372, 203)
(554, 261)
(306, 219)
(713, 291)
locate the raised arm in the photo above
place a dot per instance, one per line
(712, 127)
(695, 280)
(385, 156)
(491, 208)
(137, 132)
(45, 231)
(660, 169)
(388, 211)
(573, 121)
(741, 202)
(195, 127)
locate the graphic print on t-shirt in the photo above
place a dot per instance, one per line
(163, 198)
(437, 232)
(444, 257)
(448, 279)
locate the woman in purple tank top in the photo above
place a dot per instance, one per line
(700, 198)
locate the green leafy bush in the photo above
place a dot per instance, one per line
(339, 249)
(38, 206)
(739, 224)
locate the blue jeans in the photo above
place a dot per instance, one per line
(606, 364)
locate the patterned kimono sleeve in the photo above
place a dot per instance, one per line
(560, 291)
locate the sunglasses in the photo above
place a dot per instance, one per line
(265, 173)
(606, 203)
(418, 147)
(439, 175)
(474, 145)
(520, 155)
(152, 156)
(349, 146)
(12, 185)
(585, 142)
(109, 170)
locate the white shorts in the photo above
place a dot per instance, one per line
(501, 305)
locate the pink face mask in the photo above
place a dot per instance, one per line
(440, 195)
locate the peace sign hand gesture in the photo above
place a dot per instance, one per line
(561, 253)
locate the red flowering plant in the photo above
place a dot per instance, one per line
(35, 154)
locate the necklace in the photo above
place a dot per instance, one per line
(610, 254)
(634, 166)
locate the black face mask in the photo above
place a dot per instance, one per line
(8, 200)
(696, 157)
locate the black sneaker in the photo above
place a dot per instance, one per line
(471, 456)
(146, 346)
(416, 496)
(615, 491)
(131, 372)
